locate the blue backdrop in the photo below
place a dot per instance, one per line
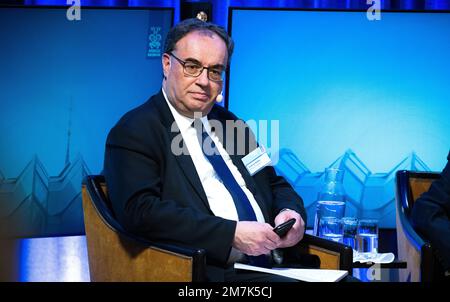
(64, 84)
(40, 125)
(368, 96)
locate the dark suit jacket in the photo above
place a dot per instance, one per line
(431, 215)
(159, 195)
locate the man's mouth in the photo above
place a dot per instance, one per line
(200, 96)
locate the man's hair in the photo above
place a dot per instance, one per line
(180, 30)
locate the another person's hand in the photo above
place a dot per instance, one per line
(297, 231)
(255, 238)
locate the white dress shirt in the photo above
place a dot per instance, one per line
(219, 199)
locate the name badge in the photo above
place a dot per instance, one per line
(256, 160)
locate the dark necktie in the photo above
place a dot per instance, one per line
(244, 209)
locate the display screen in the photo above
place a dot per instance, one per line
(371, 97)
(64, 83)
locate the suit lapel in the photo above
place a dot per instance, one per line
(187, 165)
(184, 161)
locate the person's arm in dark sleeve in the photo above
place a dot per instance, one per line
(132, 169)
(431, 213)
(284, 195)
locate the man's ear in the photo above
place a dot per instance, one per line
(165, 60)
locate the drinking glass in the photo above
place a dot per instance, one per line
(367, 237)
(331, 228)
(350, 225)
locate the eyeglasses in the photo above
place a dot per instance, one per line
(215, 74)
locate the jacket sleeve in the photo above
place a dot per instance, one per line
(284, 195)
(133, 168)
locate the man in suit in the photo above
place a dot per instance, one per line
(165, 187)
(431, 216)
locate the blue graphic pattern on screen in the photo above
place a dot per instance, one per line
(64, 84)
(340, 85)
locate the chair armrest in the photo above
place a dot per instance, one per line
(414, 250)
(115, 255)
(196, 256)
(147, 261)
(329, 254)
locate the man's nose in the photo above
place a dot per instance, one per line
(203, 79)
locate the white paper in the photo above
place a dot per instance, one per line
(309, 275)
(377, 258)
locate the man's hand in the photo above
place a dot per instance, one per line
(297, 231)
(255, 238)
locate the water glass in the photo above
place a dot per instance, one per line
(331, 228)
(350, 225)
(367, 237)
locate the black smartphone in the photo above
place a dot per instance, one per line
(283, 228)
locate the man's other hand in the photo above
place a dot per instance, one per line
(255, 238)
(297, 231)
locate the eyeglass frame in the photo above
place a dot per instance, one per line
(183, 63)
